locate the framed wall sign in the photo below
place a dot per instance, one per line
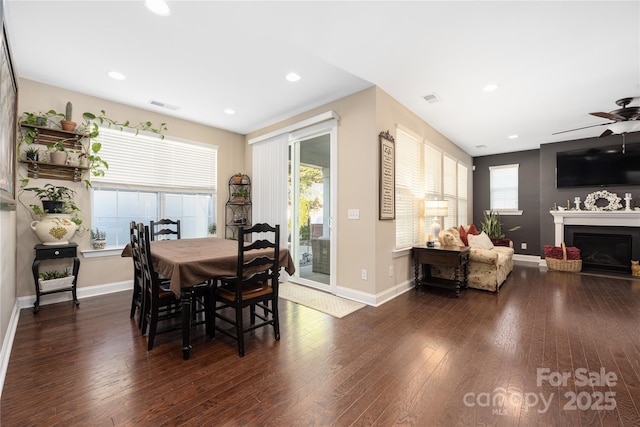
(8, 121)
(387, 173)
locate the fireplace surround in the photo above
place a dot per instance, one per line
(608, 240)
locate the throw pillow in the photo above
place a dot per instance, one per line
(464, 231)
(481, 241)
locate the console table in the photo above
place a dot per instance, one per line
(44, 252)
(457, 257)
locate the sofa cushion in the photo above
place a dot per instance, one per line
(481, 241)
(465, 231)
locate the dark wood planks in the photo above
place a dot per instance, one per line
(422, 359)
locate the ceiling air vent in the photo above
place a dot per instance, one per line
(432, 98)
(163, 105)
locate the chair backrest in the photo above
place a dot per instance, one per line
(135, 253)
(164, 229)
(263, 267)
(151, 281)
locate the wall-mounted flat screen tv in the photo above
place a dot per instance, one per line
(598, 167)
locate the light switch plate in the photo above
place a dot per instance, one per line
(353, 214)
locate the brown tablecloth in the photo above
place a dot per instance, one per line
(187, 262)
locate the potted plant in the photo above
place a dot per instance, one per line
(67, 123)
(53, 280)
(59, 220)
(58, 155)
(492, 226)
(32, 153)
(237, 178)
(240, 195)
(98, 239)
(212, 229)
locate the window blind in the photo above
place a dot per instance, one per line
(409, 189)
(449, 190)
(462, 194)
(503, 187)
(144, 161)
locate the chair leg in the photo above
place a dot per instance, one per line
(143, 315)
(240, 331)
(133, 301)
(153, 324)
(252, 316)
(276, 320)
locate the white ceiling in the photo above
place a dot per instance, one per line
(554, 61)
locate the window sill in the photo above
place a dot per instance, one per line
(99, 253)
(507, 212)
(397, 253)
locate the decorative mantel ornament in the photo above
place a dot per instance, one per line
(612, 198)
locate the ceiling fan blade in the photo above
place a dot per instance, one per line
(606, 133)
(610, 116)
(585, 127)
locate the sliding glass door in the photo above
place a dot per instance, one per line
(310, 208)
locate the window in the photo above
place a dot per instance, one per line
(409, 189)
(503, 188)
(149, 178)
(426, 173)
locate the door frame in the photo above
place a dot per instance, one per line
(329, 127)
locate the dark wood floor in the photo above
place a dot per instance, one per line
(423, 359)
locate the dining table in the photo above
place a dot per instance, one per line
(189, 262)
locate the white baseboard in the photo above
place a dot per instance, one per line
(7, 344)
(374, 299)
(526, 259)
(84, 292)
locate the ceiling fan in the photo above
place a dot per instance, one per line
(624, 119)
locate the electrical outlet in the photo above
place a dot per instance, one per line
(523, 246)
(391, 271)
(364, 274)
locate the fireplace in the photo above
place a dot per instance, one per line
(603, 237)
(604, 248)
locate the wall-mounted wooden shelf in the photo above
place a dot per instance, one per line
(51, 171)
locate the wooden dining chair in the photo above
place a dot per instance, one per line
(160, 302)
(164, 229)
(255, 285)
(137, 297)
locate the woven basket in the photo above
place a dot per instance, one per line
(564, 264)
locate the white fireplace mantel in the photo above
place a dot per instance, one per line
(603, 218)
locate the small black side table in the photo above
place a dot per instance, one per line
(70, 250)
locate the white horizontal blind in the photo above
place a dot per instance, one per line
(462, 194)
(449, 190)
(144, 161)
(409, 189)
(503, 184)
(432, 173)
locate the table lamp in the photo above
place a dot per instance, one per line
(436, 209)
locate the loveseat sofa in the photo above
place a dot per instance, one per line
(489, 264)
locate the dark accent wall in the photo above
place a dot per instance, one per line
(528, 197)
(549, 194)
(538, 192)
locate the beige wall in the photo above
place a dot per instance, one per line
(95, 271)
(367, 243)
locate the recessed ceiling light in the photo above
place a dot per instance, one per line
(159, 7)
(229, 111)
(514, 136)
(480, 147)
(490, 87)
(117, 75)
(293, 77)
